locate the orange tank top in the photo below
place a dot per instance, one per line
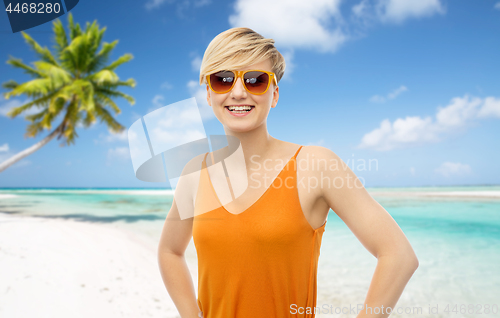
(261, 262)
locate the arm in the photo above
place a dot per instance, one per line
(376, 230)
(175, 237)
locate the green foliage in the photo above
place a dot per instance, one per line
(75, 81)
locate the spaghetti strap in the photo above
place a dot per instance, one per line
(295, 156)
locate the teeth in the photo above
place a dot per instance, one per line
(239, 108)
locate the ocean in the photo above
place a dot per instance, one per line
(455, 232)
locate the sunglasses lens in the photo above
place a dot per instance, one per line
(256, 82)
(222, 81)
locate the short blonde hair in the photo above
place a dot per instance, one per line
(239, 47)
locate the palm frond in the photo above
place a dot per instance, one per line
(122, 59)
(36, 117)
(104, 77)
(57, 74)
(60, 36)
(108, 119)
(43, 53)
(42, 101)
(102, 57)
(74, 29)
(75, 51)
(95, 37)
(19, 63)
(105, 100)
(10, 84)
(113, 93)
(33, 129)
(130, 83)
(34, 88)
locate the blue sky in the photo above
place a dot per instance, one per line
(410, 85)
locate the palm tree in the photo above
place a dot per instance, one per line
(77, 85)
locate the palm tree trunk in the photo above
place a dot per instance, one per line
(26, 152)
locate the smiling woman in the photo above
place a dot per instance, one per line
(258, 253)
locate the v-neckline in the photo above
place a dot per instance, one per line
(260, 198)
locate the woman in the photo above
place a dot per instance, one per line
(258, 254)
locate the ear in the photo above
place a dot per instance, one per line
(208, 96)
(276, 96)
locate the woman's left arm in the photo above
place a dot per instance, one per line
(376, 230)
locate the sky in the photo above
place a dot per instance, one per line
(406, 92)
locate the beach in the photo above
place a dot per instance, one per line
(65, 268)
(92, 253)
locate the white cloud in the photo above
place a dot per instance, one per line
(458, 112)
(412, 171)
(289, 65)
(4, 147)
(402, 132)
(119, 153)
(360, 9)
(280, 21)
(196, 63)
(320, 142)
(112, 137)
(497, 5)
(152, 4)
(491, 107)
(397, 11)
(391, 95)
(157, 102)
(6, 106)
(377, 99)
(449, 169)
(396, 92)
(81, 125)
(415, 130)
(166, 86)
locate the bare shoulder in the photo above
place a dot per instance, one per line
(317, 150)
(317, 158)
(326, 171)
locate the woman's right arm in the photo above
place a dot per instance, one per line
(175, 237)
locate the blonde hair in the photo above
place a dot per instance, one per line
(237, 48)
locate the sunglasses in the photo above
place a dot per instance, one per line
(255, 81)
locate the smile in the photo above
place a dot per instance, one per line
(239, 111)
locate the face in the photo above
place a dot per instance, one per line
(261, 104)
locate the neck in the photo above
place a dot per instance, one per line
(255, 142)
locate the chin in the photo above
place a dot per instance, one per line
(239, 128)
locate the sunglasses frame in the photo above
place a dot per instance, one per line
(240, 74)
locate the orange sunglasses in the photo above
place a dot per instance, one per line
(255, 81)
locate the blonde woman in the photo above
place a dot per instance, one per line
(258, 255)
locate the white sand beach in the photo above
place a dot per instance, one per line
(7, 196)
(64, 268)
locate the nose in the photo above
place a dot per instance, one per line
(238, 89)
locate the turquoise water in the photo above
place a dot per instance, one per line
(456, 239)
(457, 242)
(93, 203)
